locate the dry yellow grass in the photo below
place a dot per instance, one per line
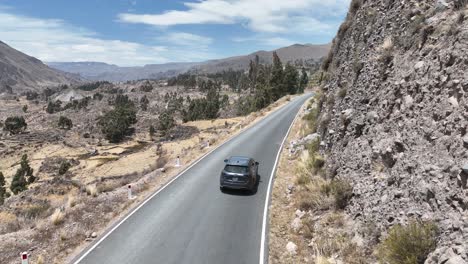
(57, 217)
(71, 202)
(92, 190)
(387, 44)
(40, 260)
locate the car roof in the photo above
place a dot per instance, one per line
(238, 161)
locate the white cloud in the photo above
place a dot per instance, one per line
(185, 39)
(271, 16)
(54, 40)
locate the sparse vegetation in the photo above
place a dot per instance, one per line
(3, 193)
(92, 86)
(22, 177)
(116, 123)
(64, 167)
(57, 217)
(53, 107)
(165, 122)
(144, 102)
(408, 244)
(92, 190)
(65, 123)
(25, 108)
(342, 92)
(152, 131)
(386, 55)
(15, 124)
(355, 5)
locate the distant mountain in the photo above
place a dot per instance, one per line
(107, 72)
(20, 72)
(294, 53)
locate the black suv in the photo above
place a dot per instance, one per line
(239, 173)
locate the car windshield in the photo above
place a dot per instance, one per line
(236, 169)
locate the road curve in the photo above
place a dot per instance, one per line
(191, 220)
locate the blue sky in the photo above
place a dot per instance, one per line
(138, 32)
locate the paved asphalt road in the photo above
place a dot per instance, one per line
(191, 220)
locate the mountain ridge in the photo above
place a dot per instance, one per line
(20, 72)
(111, 72)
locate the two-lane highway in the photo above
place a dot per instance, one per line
(191, 220)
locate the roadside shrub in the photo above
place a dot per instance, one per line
(15, 124)
(408, 244)
(313, 147)
(311, 119)
(303, 179)
(342, 192)
(65, 123)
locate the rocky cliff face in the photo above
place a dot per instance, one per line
(395, 117)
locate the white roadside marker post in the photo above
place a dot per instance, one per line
(24, 258)
(129, 192)
(177, 162)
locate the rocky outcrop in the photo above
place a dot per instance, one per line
(394, 117)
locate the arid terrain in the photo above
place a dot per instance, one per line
(62, 211)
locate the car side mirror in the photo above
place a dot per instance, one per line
(226, 160)
(256, 163)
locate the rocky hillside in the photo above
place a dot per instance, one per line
(20, 72)
(394, 118)
(303, 54)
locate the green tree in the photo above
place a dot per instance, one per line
(19, 182)
(15, 124)
(65, 123)
(146, 87)
(291, 79)
(3, 193)
(276, 81)
(165, 122)
(144, 103)
(53, 107)
(25, 108)
(304, 81)
(116, 124)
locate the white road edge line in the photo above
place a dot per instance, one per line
(267, 198)
(175, 178)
